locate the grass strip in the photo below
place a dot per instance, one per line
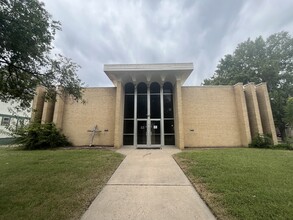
(47, 184)
(242, 183)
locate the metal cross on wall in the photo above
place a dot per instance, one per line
(94, 131)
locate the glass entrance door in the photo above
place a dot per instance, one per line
(155, 132)
(149, 135)
(142, 132)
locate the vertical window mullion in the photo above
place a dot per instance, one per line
(135, 115)
(162, 116)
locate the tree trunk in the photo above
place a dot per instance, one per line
(282, 130)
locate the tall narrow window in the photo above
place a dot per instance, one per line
(142, 100)
(148, 114)
(128, 130)
(155, 100)
(155, 114)
(169, 134)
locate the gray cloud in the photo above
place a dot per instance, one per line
(96, 32)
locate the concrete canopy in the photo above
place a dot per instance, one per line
(159, 72)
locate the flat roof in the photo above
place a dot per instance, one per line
(155, 72)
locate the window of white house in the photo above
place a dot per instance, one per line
(5, 121)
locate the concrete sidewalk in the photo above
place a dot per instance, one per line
(148, 185)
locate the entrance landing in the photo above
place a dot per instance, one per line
(148, 184)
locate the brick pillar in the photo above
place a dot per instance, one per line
(118, 133)
(48, 111)
(179, 131)
(266, 111)
(59, 110)
(253, 110)
(38, 104)
(242, 114)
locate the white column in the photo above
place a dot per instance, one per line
(118, 133)
(148, 115)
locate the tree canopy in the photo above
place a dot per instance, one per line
(26, 34)
(289, 112)
(261, 60)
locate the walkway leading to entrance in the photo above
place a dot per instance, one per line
(148, 185)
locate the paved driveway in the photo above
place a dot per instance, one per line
(148, 185)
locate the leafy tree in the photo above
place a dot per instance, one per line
(270, 61)
(289, 112)
(26, 34)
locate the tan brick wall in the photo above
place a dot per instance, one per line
(205, 116)
(242, 114)
(48, 111)
(266, 111)
(99, 110)
(38, 104)
(211, 112)
(253, 110)
(59, 110)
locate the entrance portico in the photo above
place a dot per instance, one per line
(148, 103)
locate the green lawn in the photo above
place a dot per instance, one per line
(56, 184)
(242, 183)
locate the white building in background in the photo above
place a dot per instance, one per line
(10, 117)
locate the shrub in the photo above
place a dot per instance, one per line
(40, 136)
(284, 146)
(261, 141)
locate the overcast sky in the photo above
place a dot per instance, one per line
(98, 32)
